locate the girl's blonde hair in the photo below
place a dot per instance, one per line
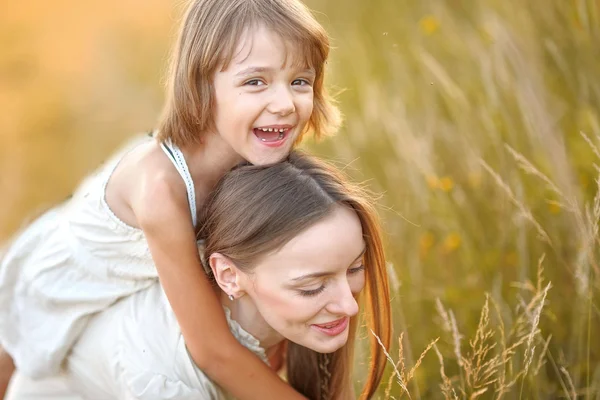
(208, 38)
(255, 210)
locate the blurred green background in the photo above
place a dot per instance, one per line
(478, 122)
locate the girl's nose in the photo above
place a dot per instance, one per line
(282, 102)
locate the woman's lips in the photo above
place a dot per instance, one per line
(332, 328)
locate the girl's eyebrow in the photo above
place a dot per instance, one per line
(254, 70)
(322, 274)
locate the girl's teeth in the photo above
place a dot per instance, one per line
(272, 129)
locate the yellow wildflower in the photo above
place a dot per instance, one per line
(429, 24)
(452, 242)
(553, 207)
(446, 184)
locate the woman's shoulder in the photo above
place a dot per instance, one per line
(136, 348)
(153, 358)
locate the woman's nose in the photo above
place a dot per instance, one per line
(343, 302)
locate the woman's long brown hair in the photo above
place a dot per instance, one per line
(257, 209)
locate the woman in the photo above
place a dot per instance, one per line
(289, 247)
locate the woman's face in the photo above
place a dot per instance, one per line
(306, 290)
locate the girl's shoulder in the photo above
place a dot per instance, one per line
(139, 179)
(151, 187)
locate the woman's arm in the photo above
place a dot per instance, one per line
(163, 214)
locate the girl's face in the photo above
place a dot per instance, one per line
(262, 100)
(306, 291)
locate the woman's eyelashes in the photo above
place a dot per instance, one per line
(312, 292)
(356, 269)
(320, 289)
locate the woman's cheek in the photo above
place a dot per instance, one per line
(357, 283)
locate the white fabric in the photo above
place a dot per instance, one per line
(54, 388)
(133, 350)
(75, 260)
(176, 157)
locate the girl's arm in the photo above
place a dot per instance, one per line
(163, 214)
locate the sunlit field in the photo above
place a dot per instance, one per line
(477, 124)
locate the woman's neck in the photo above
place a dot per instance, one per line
(245, 313)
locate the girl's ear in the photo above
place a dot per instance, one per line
(226, 274)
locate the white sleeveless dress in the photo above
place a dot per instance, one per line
(132, 350)
(75, 260)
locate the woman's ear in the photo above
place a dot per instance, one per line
(226, 274)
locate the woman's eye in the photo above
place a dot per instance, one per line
(352, 271)
(313, 292)
(301, 82)
(254, 82)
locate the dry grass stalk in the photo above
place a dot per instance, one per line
(530, 348)
(484, 370)
(411, 373)
(399, 371)
(446, 385)
(444, 315)
(572, 392)
(529, 168)
(522, 208)
(396, 373)
(479, 368)
(542, 356)
(456, 337)
(399, 364)
(505, 353)
(590, 143)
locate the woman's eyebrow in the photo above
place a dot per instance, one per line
(322, 274)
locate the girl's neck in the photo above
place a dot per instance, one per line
(209, 160)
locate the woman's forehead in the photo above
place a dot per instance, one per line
(332, 243)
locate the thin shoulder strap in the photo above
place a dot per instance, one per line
(176, 157)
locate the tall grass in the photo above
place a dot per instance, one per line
(480, 123)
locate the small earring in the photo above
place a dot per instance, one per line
(230, 297)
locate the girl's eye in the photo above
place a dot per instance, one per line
(356, 270)
(254, 82)
(313, 292)
(301, 82)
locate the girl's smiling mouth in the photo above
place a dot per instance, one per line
(272, 134)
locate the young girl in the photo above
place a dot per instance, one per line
(246, 83)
